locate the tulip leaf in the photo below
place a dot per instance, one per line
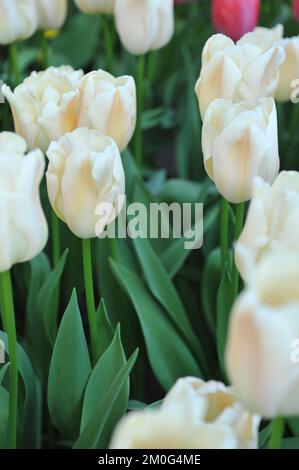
(294, 425)
(3, 371)
(224, 304)
(4, 411)
(210, 284)
(290, 443)
(105, 328)
(168, 354)
(99, 384)
(69, 371)
(95, 431)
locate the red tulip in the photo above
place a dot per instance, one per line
(296, 9)
(235, 17)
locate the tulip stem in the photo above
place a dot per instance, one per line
(55, 239)
(10, 325)
(90, 300)
(44, 49)
(238, 229)
(224, 219)
(14, 64)
(108, 42)
(277, 433)
(140, 102)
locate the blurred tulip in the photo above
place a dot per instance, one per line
(24, 230)
(18, 20)
(261, 355)
(235, 17)
(236, 72)
(93, 7)
(240, 142)
(264, 38)
(85, 171)
(44, 106)
(194, 415)
(289, 71)
(109, 105)
(51, 13)
(144, 25)
(271, 222)
(296, 9)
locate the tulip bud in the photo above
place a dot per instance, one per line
(296, 9)
(18, 20)
(44, 106)
(237, 71)
(144, 25)
(235, 17)
(194, 415)
(93, 7)
(24, 230)
(85, 171)
(51, 13)
(263, 333)
(271, 222)
(109, 105)
(240, 142)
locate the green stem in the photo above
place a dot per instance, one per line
(108, 42)
(276, 434)
(90, 300)
(55, 239)
(9, 321)
(238, 229)
(44, 49)
(140, 101)
(14, 64)
(224, 219)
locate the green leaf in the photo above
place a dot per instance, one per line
(3, 371)
(4, 411)
(181, 190)
(69, 371)
(290, 443)
(294, 425)
(224, 304)
(264, 435)
(106, 332)
(168, 354)
(210, 284)
(93, 432)
(99, 384)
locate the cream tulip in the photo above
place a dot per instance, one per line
(144, 25)
(240, 142)
(51, 13)
(264, 38)
(23, 231)
(85, 173)
(289, 71)
(109, 105)
(194, 415)
(93, 7)
(236, 71)
(262, 347)
(18, 20)
(45, 105)
(272, 222)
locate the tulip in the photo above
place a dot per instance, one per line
(51, 13)
(24, 229)
(240, 142)
(44, 106)
(18, 20)
(109, 105)
(271, 222)
(194, 415)
(85, 173)
(296, 9)
(264, 38)
(262, 347)
(237, 71)
(235, 17)
(144, 25)
(289, 70)
(93, 7)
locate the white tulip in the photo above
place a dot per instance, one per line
(45, 105)
(194, 415)
(85, 173)
(144, 25)
(93, 7)
(263, 349)
(264, 38)
(272, 222)
(23, 231)
(289, 71)
(240, 142)
(18, 20)
(108, 104)
(236, 71)
(51, 13)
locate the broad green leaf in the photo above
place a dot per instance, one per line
(4, 411)
(294, 425)
(264, 435)
(181, 190)
(3, 371)
(105, 329)
(96, 428)
(224, 305)
(210, 284)
(290, 443)
(168, 354)
(69, 371)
